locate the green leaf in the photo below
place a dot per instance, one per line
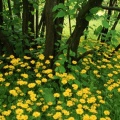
(89, 17)
(48, 95)
(60, 14)
(98, 30)
(95, 10)
(77, 82)
(59, 6)
(114, 42)
(62, 69)
(105, 23)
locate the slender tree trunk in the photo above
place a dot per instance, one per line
(10, 13)
(1, 10)
(105, 30)
(41, 24)
(31, 19)
(116, 22)
(37, 22)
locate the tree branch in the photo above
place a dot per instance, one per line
(111, 8)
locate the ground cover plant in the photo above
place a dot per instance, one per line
(59, 60)
(31, 91)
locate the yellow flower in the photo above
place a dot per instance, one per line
(31, 85)
(32, 62)
(51, 57)
(50, 76)
(64, 81)
(79, 93)
(107, 118)
(75, 86)
(82, 100)
(56, 95)
(44, 80)
(29, 109)
(98, 92)
(95, 72)
(57, 115)
(57, 64)
(83, 71)
(38, 103)
(13, 92)
(110, 88)
(79, 111)
(102, 101)
(13, 107)
(38, 46)
(27, 58)
(2, 79)
(102, 119)
(6, 113)
(58, 107)
(65, 112)
(106, 112)
(71, 118)
(25, 105)
(44, 108)
(15, 61)
(32, 98)
(67, 94)
(24, 75)
(110, 75)
(86, 117)
(36, 114)
(47, 62)
(19, 111)
(118, 56)
(103, 66)
(91, 100)
(70, 103)
(41, 57)
(38, 75)
(38, 82)
(11, 56)
(74, 62)
(50, 103)
(79, 105)
(93, 117)
(118, 89)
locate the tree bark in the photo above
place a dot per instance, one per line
(10, 13)
(1, 10)
(81, 24)
(6, 44)
(52, 28)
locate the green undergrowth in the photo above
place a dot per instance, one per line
(29, 90)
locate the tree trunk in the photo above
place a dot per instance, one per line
(81, 24)
(10, 13)
(52, 28)
(31, 19)
(1, 10)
